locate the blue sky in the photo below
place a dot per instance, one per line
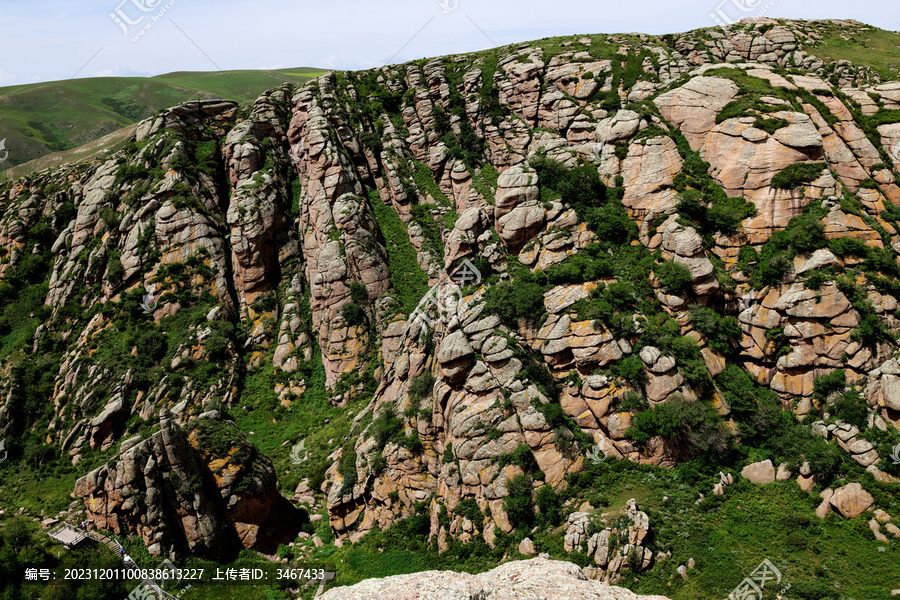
(54, 39)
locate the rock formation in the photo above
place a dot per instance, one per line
(187, 493)
(495, 262)
(525, 580)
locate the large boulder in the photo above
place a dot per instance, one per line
(851, 500)
(762, 472)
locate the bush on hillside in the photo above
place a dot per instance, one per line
(793, 176)
(674, 277)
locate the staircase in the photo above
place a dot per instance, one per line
(69, 531)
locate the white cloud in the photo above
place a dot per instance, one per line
(120, 72)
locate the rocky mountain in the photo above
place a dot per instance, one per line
(459, 287)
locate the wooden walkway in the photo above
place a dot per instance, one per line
(71, 536)
(66, 534)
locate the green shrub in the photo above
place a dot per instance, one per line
(722, 333)
(216, 344)
(804, 234)
(816, 278)
(695, 428)
(588, 264)
(726, 215)
(354, 315)
(128, 173)
(518, 505)
(421, 386)
(347, 468)
(468, 509)
(793, 176)
(549, 505)
(358, 293)
(770, 126)
(747, 260)
(630, 368)
(871, 330)
(633, 402)
(522, 456)
(151, 344)
(514, 300)
(448, 454)
(386, 427)
(674, 277)
(848, 246)
(110, 218)
(868, 183)
(583, 189)
(851, 407)
(762, 424)
(378, 464)
(825, 385)
(115, 271)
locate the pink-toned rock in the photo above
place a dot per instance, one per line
(761, 473)
(693, 107)
(851, 500)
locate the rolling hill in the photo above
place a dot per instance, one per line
(43, 118)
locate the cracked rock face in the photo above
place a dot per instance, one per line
(476, 411)
(222, 503)
(295, 246)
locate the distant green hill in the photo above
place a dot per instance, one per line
(41, 118)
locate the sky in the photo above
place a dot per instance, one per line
(45, 40)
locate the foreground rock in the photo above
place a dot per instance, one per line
(221, 502)
(537, 578)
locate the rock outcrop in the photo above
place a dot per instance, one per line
(521, 580)
(186, 493)
(470, 254)
(614, 549)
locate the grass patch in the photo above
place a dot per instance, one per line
(409, 280)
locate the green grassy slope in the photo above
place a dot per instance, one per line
(864, 46)
(37, 119)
